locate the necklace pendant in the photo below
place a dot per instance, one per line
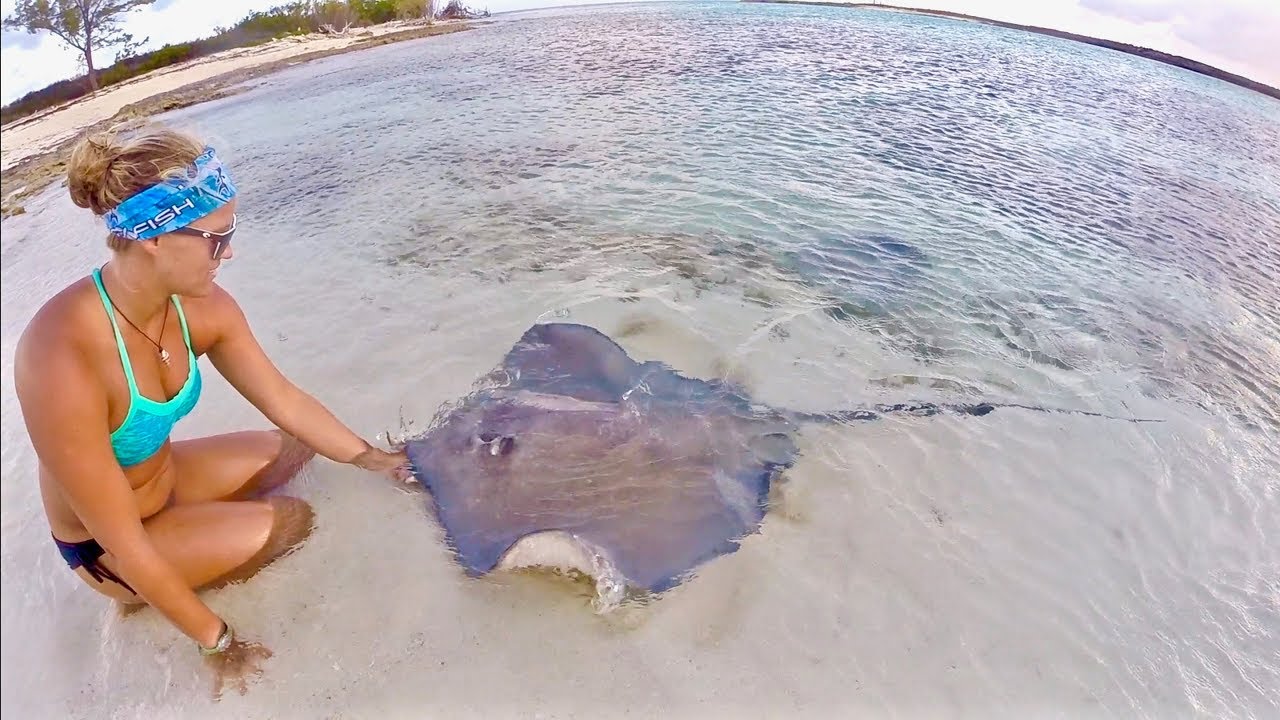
(164, 356)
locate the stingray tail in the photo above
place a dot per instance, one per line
(925, 409)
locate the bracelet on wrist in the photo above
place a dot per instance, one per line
(223, 642)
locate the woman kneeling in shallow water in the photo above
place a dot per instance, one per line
(108, 365)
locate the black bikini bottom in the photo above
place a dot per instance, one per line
(86, 554)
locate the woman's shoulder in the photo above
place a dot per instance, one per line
(62, 327)
(210, 315)
(216, 300)
(62, 316)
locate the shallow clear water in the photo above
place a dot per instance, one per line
(833, 206)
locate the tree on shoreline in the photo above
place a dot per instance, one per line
(290, 17)
(86, 25)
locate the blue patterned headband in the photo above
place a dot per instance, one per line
(174, 202)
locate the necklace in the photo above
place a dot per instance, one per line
(164, 354)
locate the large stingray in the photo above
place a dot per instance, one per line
(572, 454)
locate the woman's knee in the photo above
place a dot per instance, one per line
(289, 522)
(292, 522)
(291, 454)
(286, 456)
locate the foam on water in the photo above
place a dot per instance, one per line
(832, 206)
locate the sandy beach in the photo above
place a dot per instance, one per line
(32, 147)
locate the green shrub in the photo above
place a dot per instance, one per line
(374, 12)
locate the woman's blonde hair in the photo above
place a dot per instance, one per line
(104, 169)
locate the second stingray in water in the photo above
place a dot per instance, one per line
(571, 454)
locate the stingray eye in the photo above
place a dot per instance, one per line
(493, 443)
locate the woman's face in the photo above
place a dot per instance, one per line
(186, 261)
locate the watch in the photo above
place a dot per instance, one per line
(224, 642)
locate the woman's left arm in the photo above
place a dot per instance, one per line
(239, 357)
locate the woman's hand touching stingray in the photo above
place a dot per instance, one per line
(394, 464)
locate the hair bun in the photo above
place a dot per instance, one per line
(105, 169)
(89, 172)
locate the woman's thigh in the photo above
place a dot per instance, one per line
(235, 466)
(214, 543)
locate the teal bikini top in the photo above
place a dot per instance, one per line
(147, 425)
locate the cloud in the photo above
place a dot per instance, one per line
(31, 62)
(1134, 10)
(1238, 36)
(1245, 31)
(18, 40)
(34, 64)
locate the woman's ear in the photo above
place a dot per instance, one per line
(151, 246)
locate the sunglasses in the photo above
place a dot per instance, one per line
(218, 240)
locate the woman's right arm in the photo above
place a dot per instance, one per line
(66, 416)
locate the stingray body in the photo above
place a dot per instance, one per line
(572, 454)
(644, 473)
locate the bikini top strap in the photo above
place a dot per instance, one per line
(182, 319)
(111, 315)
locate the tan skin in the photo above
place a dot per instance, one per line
(190, 516)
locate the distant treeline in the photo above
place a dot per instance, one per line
(1175, 60)
(296, 18)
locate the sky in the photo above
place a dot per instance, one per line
(1240, 36)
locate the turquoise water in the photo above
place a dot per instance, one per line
(836, 207)
(961, 190)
